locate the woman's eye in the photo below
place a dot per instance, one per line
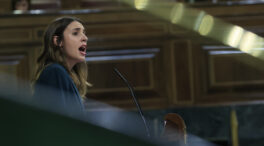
(75, 33)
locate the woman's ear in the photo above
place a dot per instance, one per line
(57, 41)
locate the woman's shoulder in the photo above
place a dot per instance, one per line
(54, 67)
(54, 74)
(55, 71)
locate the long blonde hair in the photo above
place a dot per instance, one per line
(52, 53)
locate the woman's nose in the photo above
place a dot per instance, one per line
(84, 38)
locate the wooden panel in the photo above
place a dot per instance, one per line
(125, 30)
(117, 31)
(109, 80)
(234, 68)
(8, 35)
(231, 9)
(226, 74)
(235, 72)
(19, 21)
(139, 66)
(250, 16)
(5, 5)
(89, 16)
(182, 65)
(30, 28)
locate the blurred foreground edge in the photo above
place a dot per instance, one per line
(23, 124)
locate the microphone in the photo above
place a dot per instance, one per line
(135, 99)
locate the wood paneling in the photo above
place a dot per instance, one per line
(138, 65)
(167, 65)
(183, 69)
(229, 75)
(126, 30)
(132, 44)
(5, 6)
(9, 35)
(233, 68)
(232, 9)
(70, 4)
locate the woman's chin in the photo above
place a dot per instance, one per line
(82, 60)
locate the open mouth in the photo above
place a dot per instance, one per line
(82, 49)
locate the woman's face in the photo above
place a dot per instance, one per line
(22, 5)
(74, 43)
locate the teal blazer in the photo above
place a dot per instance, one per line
(56, 90)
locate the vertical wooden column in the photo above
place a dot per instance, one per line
(182, 69)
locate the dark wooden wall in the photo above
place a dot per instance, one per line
(167, 65)
(6, 5)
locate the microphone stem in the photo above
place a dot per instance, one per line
(135, 100)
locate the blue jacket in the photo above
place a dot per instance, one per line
(56, 90)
